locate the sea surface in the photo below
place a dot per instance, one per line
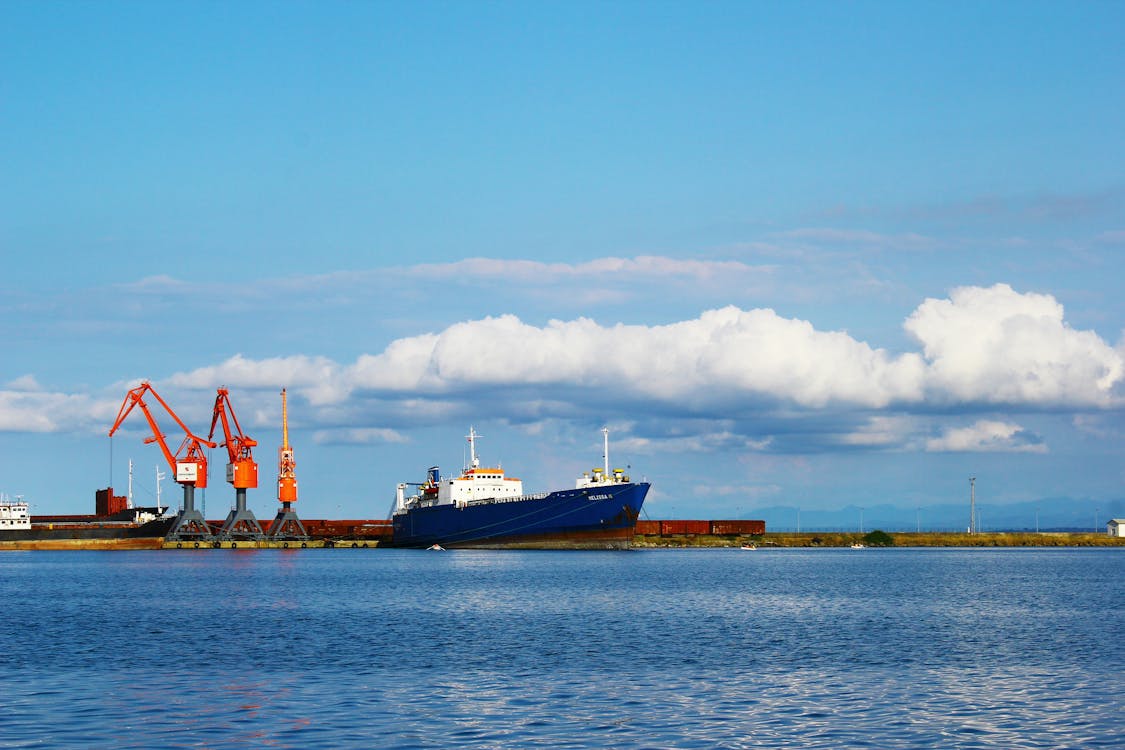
(681, 648)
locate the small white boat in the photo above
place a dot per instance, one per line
(436, 548)
(857, 545)
(749, 546)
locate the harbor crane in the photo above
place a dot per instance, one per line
(286, 525)
(242, 470)
(189, 462)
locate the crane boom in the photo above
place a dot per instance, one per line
(189, 461)
(242, 470)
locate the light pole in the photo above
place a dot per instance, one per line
(972, 505)
(861, 520)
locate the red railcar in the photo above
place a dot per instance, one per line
(738, 527)
(685, 527)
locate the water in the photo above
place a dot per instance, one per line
(643, 649)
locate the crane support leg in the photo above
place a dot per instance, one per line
(190, 524)
(286, 525)
(241, 523)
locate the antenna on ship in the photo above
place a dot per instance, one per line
(474, 462)
(605, 449)
(130, 501)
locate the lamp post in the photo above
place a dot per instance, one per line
(972, 505)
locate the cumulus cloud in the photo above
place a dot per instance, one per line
(727, 354)
(980, 349)
(24, 409)
(999, 346)
(317, 378)
(984, 346)
(24, 383)
(988, 436)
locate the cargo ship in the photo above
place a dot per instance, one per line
(483, 508)
(114, 526)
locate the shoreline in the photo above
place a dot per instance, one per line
(898, 539)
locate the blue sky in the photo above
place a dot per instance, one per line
(793, 254)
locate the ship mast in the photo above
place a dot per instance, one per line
(474, 462)
(605, 449)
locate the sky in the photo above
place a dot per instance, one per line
(813, 255)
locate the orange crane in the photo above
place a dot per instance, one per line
(242, 470)
(189, 463)
(286, 525)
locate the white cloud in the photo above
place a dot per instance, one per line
(725, 355)
(24, 383)
(982, 345)
(987, 436)
(601, 269)
(1000, 346)
(703, 443)
(24, 410)
(880, 431)
(317, 378)
(358, 436)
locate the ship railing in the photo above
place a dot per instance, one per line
(482, 501)
(518, 498)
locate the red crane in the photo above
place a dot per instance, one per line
(242, 470)
(188, 463)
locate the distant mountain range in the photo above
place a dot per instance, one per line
(1048, 514)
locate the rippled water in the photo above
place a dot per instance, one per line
(642, 649)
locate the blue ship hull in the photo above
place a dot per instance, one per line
(600, 517)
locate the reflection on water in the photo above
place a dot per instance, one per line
(660, 648)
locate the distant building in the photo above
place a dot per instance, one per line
(1115, 527)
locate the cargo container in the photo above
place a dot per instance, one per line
(722, 528)
(685, 527)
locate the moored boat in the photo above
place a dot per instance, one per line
(486, 509)
(128, 528)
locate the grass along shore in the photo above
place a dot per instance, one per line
(897, 539)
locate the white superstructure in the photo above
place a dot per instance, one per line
(475, 483)
(14, 514)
